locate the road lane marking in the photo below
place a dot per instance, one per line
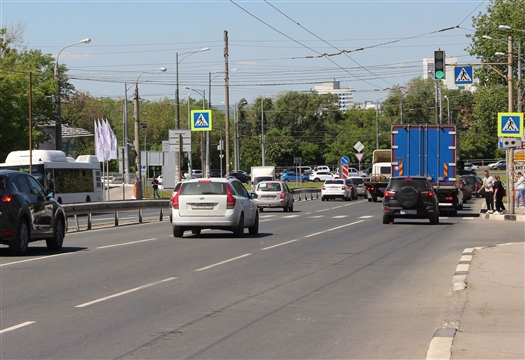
(127, 243)
(290, 216)
(322, 210)
(337, 207)
(267, 216)
(223, 262)
(38, 258)
(366, 216)
(335, 228)
(124, 292)
(17, 326)
(281, 244)
(315, 216)
(339, 216)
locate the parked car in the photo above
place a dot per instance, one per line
(474, 182)
(273, 194)
(293, 176)
(500, 165)
(28, 213)
(469, 166)
(321, 176)
(335, 189)
(214, 203)
(410, 198)
(359, 185)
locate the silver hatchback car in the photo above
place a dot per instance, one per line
(273, 194)
(214, 203)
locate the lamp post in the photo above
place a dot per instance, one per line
(145, 127)
(58, 105)
(377, 123)
(177, 113)
(263, 150)
(205, 154)
(448, 108)
(137, 133)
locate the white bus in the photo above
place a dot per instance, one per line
(74, 181)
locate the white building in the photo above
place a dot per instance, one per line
(346, 96)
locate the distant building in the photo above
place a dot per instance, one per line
(368, 105)
(346, 96)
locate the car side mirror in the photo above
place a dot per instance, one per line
(253, 196)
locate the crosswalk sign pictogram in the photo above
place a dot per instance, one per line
(201, 120)
(510, 125)
(463, 75)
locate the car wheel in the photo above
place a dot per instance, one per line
(238, 230)
(261, 209)
(407, 197)
(196, 231)
(387, 219)
(322, 198)
(286, 181)
(290, 209)
(453, 213)
(58, 236)
(18, 246)
(316, 180)
(178, 231)
(285, 208)
(254, 229)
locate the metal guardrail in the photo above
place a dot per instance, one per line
(115, 207)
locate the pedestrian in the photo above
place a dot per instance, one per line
(488, 184)
(155, 186)
(520, 186)
(499, 192)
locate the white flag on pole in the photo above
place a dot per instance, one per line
(99, 149)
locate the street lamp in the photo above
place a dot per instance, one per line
(205, 155)
(263, 150)
(177, 114)
(377, 123)
(145, 127)
(58, 106)
(137, 133)
(448, 108)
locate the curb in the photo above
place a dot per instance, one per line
(441, 344)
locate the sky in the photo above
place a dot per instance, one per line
(274, 46)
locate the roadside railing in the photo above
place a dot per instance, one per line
(115, 207)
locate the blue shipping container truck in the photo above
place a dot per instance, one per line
(429, 150)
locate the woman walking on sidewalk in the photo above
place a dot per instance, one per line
(520, 185)
(498, 195)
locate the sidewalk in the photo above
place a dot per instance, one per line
(486, 316)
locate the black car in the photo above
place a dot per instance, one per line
(411, 198)
(242, 177)
(353, 188)
(474, 182)
(467, 191)
(28, 213)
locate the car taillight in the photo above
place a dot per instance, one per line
(427, 193)
(230, 199)
(370, 188)
(175, 201)
(389, 193)
(448, 198)
(282, 195)
(343, 187)
(6, 198)
(476, 185)
(323, 188)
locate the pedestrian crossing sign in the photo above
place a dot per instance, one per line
(463, 75)
(201, 120)
(510, 124)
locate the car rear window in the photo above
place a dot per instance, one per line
(397, 184)
(470, 180)
(269, 186)
(203, 188)
(3, 183)
(357, 180)
(334, 182)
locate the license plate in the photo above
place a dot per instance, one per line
(202, 207)
(268, 197)
(408, 212)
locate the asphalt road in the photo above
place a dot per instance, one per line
(328, 281)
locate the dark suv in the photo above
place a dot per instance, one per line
(28, 213)
(474, 182)
(412, 198)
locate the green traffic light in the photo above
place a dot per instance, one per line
(440, 74)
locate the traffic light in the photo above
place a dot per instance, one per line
(439, 64)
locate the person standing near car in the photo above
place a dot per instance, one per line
(498, 195)
(520, 185)
(155, 186)
(487, 187)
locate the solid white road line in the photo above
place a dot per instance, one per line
(335, 228)
(127, 243)
(17, 326)
(123, 293)
(223, 262)
(37, 258)
(281, 244)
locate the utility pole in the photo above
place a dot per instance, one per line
(510, 85)
(138, 184)
(263, 150)
(227, 102)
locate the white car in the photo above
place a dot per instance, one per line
(214, 203)
(335, 189)
(273, 194)
(470, 167)
(321, 176)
